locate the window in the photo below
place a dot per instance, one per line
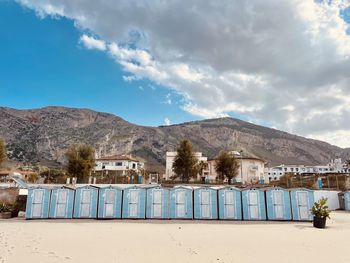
(285, 169)
(118, 164)
(134, 166)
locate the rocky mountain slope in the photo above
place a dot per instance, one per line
(43, 135)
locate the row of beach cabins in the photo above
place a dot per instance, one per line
(179, 202)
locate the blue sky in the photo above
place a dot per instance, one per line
(42, 63)
(281, 64)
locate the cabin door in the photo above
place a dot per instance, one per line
(181, 203)
(85, 203)
(134, 195)
(302, 198)
(229, 204)
(278, 204)
(205, 204)
(38, 200)
(253, 202)
(62, 196)
(109, 202)
(157, 203)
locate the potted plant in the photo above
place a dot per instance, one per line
(5, 211)
(320, 212)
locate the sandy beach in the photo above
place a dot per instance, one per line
(173, 241)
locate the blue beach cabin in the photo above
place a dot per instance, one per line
(253, 202)
(302, 200)
(110, 202)
(62, 202)
(205, 202)
(85, 204)
(38, 202)
(230, 203)
(347, 200)
(134, 202)
(278, 204)
(157, 203)
(181, 202)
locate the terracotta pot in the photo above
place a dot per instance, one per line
(319, 222)
(5, 215)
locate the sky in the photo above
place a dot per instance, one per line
(281, 64)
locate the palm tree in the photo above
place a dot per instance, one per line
(202, 165)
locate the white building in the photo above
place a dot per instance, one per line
(335, 166)
(251, 169)
(120, 163)
(170, 158)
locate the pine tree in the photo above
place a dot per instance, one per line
(185, 163)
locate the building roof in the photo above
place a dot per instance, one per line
(117, 158)
(243, 158)
(7, 172)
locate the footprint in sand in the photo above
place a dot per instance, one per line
(192, 252)
(52, 254)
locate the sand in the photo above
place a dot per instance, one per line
(173, 241)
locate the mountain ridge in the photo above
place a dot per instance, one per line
(44, 134)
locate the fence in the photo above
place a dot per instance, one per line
(340, 182)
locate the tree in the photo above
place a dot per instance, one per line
(3, 155)
(185, 163)
(81, 161)
(226, 165)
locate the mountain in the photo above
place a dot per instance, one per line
(43, 135)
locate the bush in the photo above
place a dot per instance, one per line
(5, 207)
(320, 209)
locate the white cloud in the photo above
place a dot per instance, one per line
(92, 43)
(168, 99)
(167, 122)
(283, 62)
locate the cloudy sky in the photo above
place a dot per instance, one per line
(280, 63)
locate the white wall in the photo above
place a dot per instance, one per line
(333, 201)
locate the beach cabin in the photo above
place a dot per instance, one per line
(253, 202)
(62, 202)
(302, 200)
(205, 201)
(134, 202)
(157, 203)
(347, 200)
(110, 202)
(85, 204)
(230, 203)
(278, 204)
(181, 202)
(38, 202)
